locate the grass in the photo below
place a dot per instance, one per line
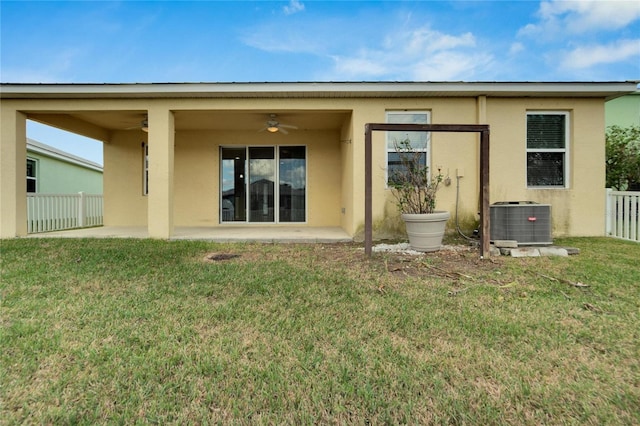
(142, 331)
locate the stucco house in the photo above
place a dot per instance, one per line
(292, 154)
(53, 171)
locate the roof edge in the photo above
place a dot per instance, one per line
(49, 151)
(608, 89)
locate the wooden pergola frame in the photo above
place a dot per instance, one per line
(483, 129)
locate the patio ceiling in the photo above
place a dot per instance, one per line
(82, 122)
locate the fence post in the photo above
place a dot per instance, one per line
(608, 216)
(81, 210)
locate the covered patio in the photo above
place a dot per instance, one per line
(266, 234)
(285, 161)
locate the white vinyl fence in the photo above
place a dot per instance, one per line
(56, 212)
(623, 214)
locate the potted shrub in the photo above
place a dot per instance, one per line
(415, 190)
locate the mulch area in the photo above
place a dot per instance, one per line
(453, 261)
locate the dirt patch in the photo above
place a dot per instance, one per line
(217, 257)
(453, 262)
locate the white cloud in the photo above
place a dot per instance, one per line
(10, 75)
(261, 169)
(420, 54)
(405, 53)
(359, 66)
(294, 6)
(588, 56)
(515, 48)
(577, 17)
(290, 39)
(450, 66)
(427, 40)
(47, 67)
(581, 16)
(295, 177)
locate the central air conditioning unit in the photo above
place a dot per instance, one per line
(526, 222)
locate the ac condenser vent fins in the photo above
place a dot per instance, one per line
(522, 221)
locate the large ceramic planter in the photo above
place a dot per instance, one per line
(426, 230)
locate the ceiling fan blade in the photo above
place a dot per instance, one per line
(274, 126)
(143, 121)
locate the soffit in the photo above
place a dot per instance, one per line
(198, 120)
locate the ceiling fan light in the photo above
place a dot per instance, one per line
(144, 125)
(272, 129)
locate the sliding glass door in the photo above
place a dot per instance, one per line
(293, 183)
(233, 199)
(262, 177)
(249, 192)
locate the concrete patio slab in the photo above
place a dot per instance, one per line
(276, 234)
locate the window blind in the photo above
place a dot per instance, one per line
(545, 131)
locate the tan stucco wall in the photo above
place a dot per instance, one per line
(196, 178)
(124, 202)
(347, 173)
(335, 159)
(578, 210)
(324, 192)
(449, 152)
(13, 173)
(197, 171)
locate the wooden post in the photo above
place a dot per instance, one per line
(485, 230)
(483, 129)
(368, 216)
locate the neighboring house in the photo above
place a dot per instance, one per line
(623, 111)
(206, 163)
(52, 171)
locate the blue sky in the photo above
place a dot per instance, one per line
(298, 40)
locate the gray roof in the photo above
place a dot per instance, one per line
(49, 151)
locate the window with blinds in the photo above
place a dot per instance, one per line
(418, 141)
(547, 141)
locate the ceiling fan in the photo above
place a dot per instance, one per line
(144, 125)
(274, 126)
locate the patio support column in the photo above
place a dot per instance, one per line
(161, 151)
(13, 173)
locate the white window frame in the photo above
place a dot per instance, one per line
(35, 171)
(389, 148)
(565, 150)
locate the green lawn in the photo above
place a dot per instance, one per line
(126, 331)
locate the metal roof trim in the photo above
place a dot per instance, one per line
(315, 89)
(49, 151)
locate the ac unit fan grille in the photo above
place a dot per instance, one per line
(526, 223)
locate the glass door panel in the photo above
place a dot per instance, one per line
(293, 185)
(262, 177)
(233, 185)
(248, 191)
